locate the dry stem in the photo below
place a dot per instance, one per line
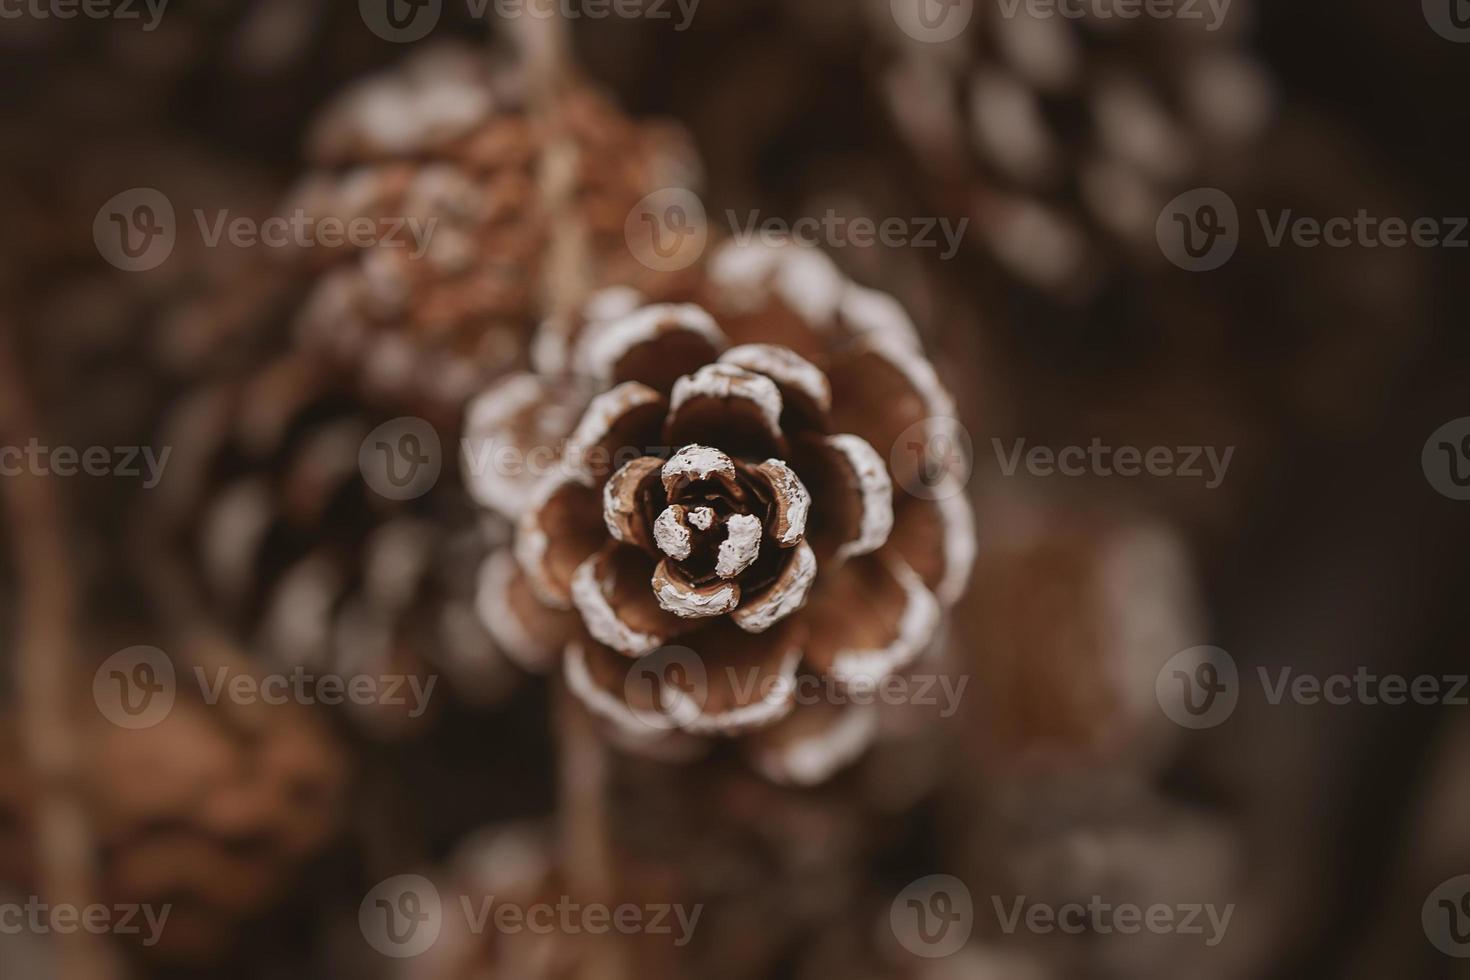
(47, 681)
(587, 861)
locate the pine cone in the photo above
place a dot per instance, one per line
(272, 514)
(1118, 842)
(1064, 137)
(215, 810)
(723, 479)
(512, 866)
(516, 867)
(447, 139)
(1074, 610)
(771, 866)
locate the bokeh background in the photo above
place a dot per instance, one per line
(1329, 547)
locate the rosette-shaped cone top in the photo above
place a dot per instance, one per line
(739, 502)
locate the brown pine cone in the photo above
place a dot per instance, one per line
(510, 908)
(1099, 840)
(270, 508)
(448, 139)
(745, 487)
(511, 866)
(215, 810)
(1063, 137)
(771, 866)
(1074, 609)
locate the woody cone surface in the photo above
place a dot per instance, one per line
(732, 500)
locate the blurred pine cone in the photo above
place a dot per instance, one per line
(537, 923)
(770, 866)
(1063, 136)
(1074, 609)
(1100, 843)
(500, 867)
(286, 516)
(447, 141)
(656, 507)
(214, 811)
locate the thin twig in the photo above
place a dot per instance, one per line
(545, 49)
(47, 679)
(587, 860)
(544, 45)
